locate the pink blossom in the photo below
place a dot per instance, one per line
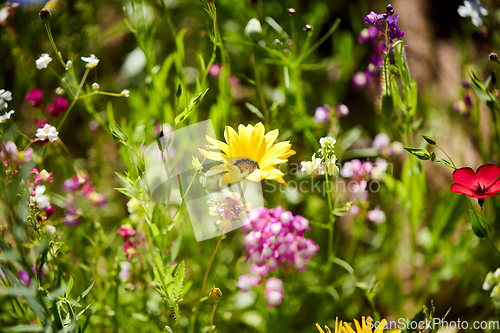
(377, 216)
(246, 282)
(274, 292)
(215, 70)
(276, 238)
(357, 170)
(126, 231)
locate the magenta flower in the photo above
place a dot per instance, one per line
(246, 282)
(35, 98)
(58, 106)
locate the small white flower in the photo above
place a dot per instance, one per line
(203, 180)
(473, 9)
(5, 95)
(6, 116)
(125, 93)
(331, 165)
(60, 91)
(95, 86)
(69, 64)
(43, 61)
(133, 206)
(327, 142)
(91, 61)
(40, 198)
(47, 132)
(253, 28)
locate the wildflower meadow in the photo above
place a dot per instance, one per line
(249, 166)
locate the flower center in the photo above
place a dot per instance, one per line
(247, 164)
(480, 189)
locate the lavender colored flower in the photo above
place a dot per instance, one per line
(321, 115)
(276, 238)
(360, 80)
(342, 110)
(246, 282)
(381, 141)
(24, 277)
(71, 219)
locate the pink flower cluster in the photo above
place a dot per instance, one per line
(276, 238)
(131, 244)
(273, 293)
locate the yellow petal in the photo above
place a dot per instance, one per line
(220, 145)
(319, 328)
(271, 137)
(211, 155)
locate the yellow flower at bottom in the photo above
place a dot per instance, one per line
(338, 328)
(249, 154)
(364, 329)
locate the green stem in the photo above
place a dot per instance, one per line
(259, 90)
(207, 271)
(212, 318)
(54, 46)
(447, 156)
(332, 221)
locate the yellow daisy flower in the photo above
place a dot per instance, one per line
(365, 329)
(338, 328)
(249, 154)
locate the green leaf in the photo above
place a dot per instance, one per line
(174, 251)
(23, 328)
(254, 110)
(480, 226)
(187, 111)
(179, 91)
(70, 286)
(118, 133)
(445, 162)
(418, 318)
(179, 280)
(85, 293)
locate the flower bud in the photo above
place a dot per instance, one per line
(480, 226)
(125, 93)
(429, 140)
(215, 294)
(60, 91)
(292, 11)
(307, 27)
(493, 57)
(49, 211)
(489, 281)
(45, 15)
(95, 86)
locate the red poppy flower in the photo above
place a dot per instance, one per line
(480, 184)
